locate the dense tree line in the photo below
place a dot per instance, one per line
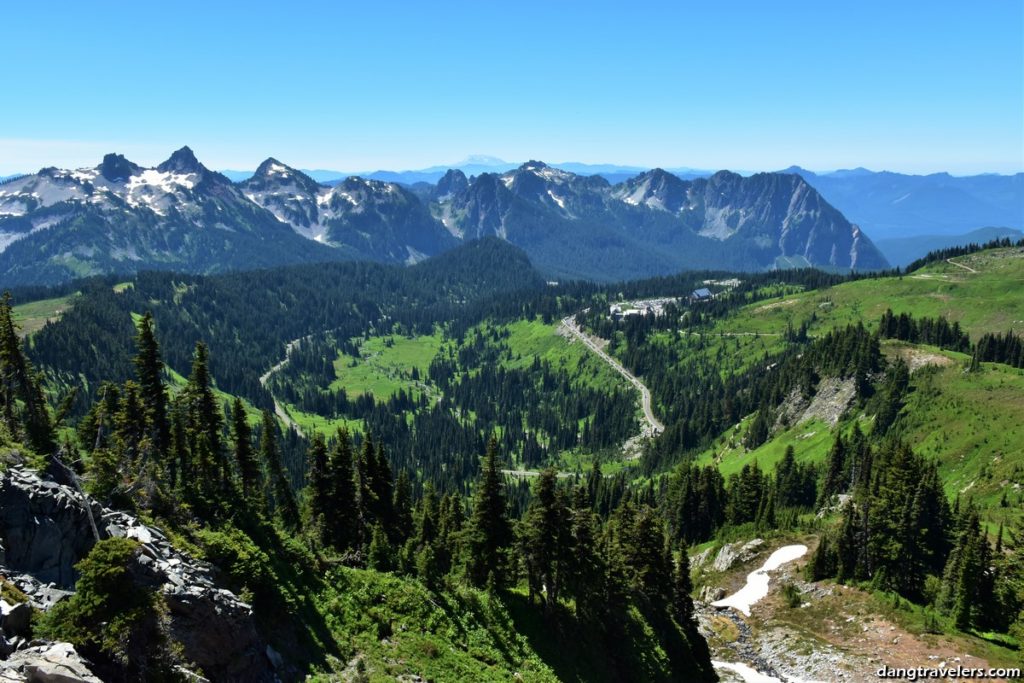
(934, 331)
(1005, 348)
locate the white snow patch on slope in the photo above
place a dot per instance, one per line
(558, 200)
(757, 581)
(168, 182)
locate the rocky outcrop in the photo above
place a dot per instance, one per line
(47, 663)
(736, 553)
(45, 529)
(832, 397)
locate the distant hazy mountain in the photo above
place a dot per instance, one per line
(900, 251)
(475, 165)
(120, 217)
(890, 205)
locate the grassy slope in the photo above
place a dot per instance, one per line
(31, 317)
(991, 300)
(396, 627)
(383, 370)
(529, 338)
(972, 423)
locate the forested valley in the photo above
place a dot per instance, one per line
(410, 471)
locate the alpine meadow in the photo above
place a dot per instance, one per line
(300, 401)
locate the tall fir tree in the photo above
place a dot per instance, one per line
(343, 522)
(285, 506)
(149, 369)
(245, 459)
(205, 425)
(490, 532)
(319, 488)
(541, 542)
(19, 382)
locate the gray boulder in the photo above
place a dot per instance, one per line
(736, 553)
(50, 663)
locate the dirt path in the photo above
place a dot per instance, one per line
(960, 265)
(279, 408)
(654, 426)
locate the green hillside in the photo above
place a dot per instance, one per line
(971, 423)
(989, 299)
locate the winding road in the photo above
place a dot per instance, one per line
(654, 425)
(960, 265)
(279, 408)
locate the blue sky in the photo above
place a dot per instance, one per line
(908, 86)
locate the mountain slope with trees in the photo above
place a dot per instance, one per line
(118, 217)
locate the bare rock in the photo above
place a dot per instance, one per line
(45, 528)
(50, 663)
(15, 619)
(735, 553)
(702, 558)
(711, 593)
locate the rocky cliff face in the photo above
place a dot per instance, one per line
(656, 222)
(45, 531)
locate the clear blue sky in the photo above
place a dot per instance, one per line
(908, 86)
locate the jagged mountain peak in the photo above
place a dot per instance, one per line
(274, 175)
(656, 189)
(272, 166)
(453, 182)
(116, 168)
(182, 161)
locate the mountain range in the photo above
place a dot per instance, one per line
(885, 204)
(56, 225)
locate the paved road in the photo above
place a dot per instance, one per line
(279, 409)
(654, 425)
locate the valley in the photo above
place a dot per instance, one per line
(512, 342)
(646, 445)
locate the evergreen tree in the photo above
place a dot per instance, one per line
(343, 522)
(284, 500)
(205, 426)
(19, 382)
(586, 578)
(490, 532)
(835, 480)
(319, 489)
(402, 506)
(643, 550)
(149, 369)
(245, 459)
(682, 587)
(541, 540)
(380, 556)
